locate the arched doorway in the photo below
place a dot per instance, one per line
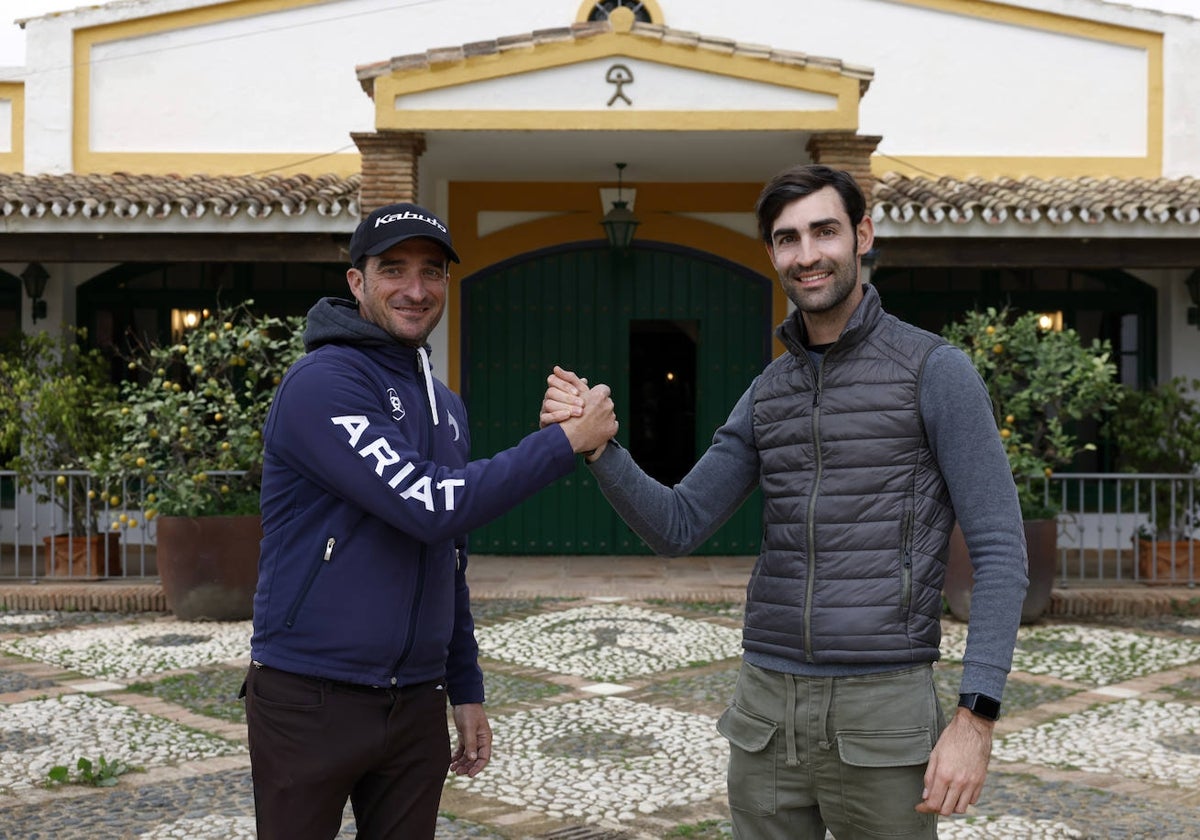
(677, 335)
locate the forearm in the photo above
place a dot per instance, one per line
(963, 435)
(675, 520)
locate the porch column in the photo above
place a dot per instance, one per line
(389, 167)
(851, 152)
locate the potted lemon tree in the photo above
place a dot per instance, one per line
(1157, 431)
(1041, 380)
(52, 389)
(189, 452)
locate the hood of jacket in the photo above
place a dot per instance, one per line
(336, 321)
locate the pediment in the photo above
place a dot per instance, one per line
(594, 76)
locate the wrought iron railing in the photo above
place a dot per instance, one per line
(1113, 528)
(66, 525)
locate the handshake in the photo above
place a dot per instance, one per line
(586, 414)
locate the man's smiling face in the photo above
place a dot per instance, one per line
(403, 290)
(815, 250)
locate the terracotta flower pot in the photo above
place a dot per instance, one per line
(1166, 562)
(209, 565)
(92, 556)
(1041, 539)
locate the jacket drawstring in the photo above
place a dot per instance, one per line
(428, 383)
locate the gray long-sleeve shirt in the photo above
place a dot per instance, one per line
(957, 415)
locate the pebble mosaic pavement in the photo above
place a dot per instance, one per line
(592, 701)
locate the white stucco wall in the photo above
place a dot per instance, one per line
(945, 85)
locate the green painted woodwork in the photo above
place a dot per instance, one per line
(574, 306)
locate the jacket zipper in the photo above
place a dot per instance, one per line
(421, 560)
(810, 526)
(906, 555)
(308, 582)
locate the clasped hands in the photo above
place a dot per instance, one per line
(586, 414)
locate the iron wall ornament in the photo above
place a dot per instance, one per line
(619, 75)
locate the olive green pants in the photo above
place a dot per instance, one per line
(843, 753)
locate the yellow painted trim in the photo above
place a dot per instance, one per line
(1017, 167)
(167, 163)
(656, 15)
(1148, 166)
(84, 160)
(614, 45)
(578, 212)
(565, 120)
(14, 161)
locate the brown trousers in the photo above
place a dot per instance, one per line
(315, 743)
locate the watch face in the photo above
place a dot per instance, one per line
(981, 705)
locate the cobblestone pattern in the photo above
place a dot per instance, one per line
(1101, 736)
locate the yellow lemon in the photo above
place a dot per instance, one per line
(123, 518)
(990, 329)
(91, 494)
(150, 514)
(61, 480)
(113, 501)
(225, 445)
(228, 326)
(133, 523)
(116, 526)
(224, 488)
(218, 417)
(141, 462)
(998, 349)
(154, 433)
(197, 368)
(152, 479)
(1010, 419)
(1005, 433)
(212, 336)
(151, 497)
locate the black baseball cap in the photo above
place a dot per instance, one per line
(394, 223)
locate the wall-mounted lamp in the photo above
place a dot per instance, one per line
(1193, 287)
(619, 222)
(1051, 321)
(183, 320)
(34, 278)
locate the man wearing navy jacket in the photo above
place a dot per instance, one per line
(362, 620)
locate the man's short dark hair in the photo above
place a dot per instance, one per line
(800, 181)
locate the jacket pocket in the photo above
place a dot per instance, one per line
(907, 523)
(751, 761)
(309, 579)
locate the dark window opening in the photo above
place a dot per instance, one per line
(662, 397)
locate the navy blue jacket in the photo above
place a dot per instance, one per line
(366, 504)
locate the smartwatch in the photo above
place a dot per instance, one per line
(980, 704)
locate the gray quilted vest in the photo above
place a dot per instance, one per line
(857, 516)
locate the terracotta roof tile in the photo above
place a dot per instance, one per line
(367, 73)
(1057, 201)
(128, 196)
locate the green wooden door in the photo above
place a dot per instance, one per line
(697, 331)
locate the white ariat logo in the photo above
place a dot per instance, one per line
(408, 214)
(397, 406)
(453, 423)
(420, 489)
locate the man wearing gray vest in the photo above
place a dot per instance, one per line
(869, 438)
